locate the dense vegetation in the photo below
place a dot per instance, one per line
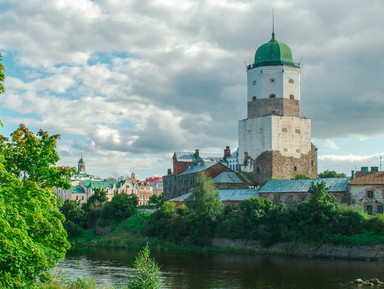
(32, 238)
(97, 211)
(319, 219)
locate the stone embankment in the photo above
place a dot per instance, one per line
(297, 249)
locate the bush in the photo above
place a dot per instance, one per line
(73, 229)
(375, 224)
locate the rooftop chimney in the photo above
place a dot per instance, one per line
(227, 152)
(169, 172)
(374, 169)
(197, 153)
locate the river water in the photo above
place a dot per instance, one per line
(186, 270)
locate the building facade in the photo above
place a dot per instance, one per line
(274, 140)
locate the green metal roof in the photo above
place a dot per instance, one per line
(273, 53)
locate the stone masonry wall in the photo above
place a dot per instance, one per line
(296, 249)
(278, 106)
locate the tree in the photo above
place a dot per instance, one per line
(146, 272)
(204, 200)
(302, 176)
(2, 76)
(120, 207)
(34, 157)
(331, 174)
(156, 201)
(32, 237)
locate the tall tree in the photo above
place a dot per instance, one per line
(204, 200)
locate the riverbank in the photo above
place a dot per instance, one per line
(128, 234)
(373, 252)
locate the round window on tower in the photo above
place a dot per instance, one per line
(272, 80)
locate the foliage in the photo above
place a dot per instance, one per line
(32, 237)
(73, 229)
(155, 201)
(94, 206)
(302, 176)
(73, 211)
(314, 217)
(331, 174)
(33, 157)
(2, 76)
(120, 207)
(147, 272)
(158, 223)
(204, 200)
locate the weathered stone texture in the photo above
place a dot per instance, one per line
(363, 252)
(272, 165)
(278, 106)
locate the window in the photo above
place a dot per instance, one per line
(272, 80)
(258, 170)
(380, 209)
(291, 81)
(272, 95)
(253, 98)
(369, 209)
(291, 96)
(297, 130)
(284, 129)
(295, 168)
(298, 151)
(370, 194)
(254, 82)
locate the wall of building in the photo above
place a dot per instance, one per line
(369, 197)
(292, 199)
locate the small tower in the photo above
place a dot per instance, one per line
(81, 166)
(274, 140)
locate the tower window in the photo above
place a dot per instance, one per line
(272, 80)
(370, 194)
(291, 96)
(272, 95)
(291, 81)
(254, 82)
(253, 98)
(284, 129)
(297, 130)
(298, 151)
(295, 168)
(258, 170)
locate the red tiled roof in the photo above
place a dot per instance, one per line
(369, 179)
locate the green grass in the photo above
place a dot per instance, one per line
(367, 238)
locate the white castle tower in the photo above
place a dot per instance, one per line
(274, 140)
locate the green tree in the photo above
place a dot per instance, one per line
(120, 207)
(331, 174)
(302, 176)
(204, 202)
(2, 76)
(94, 206)
(146, 272)
(32, 237)
(155, 201)
(34, 157)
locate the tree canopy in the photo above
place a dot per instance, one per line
(204, 200)
(331, 174)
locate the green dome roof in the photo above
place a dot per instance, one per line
(273, 53)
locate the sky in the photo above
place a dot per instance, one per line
(128, 82)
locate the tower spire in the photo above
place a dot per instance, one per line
(273, 24)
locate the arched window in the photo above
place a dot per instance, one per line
(272, 95)
(253, 98)
(291, 81)
(291, 96)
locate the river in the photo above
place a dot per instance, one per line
(186, 270)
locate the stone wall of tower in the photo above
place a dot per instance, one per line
(278, 106)
(273, 165)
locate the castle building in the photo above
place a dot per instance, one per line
(274, 140)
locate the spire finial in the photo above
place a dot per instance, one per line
(273, 24)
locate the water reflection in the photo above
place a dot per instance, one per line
(221, 270)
